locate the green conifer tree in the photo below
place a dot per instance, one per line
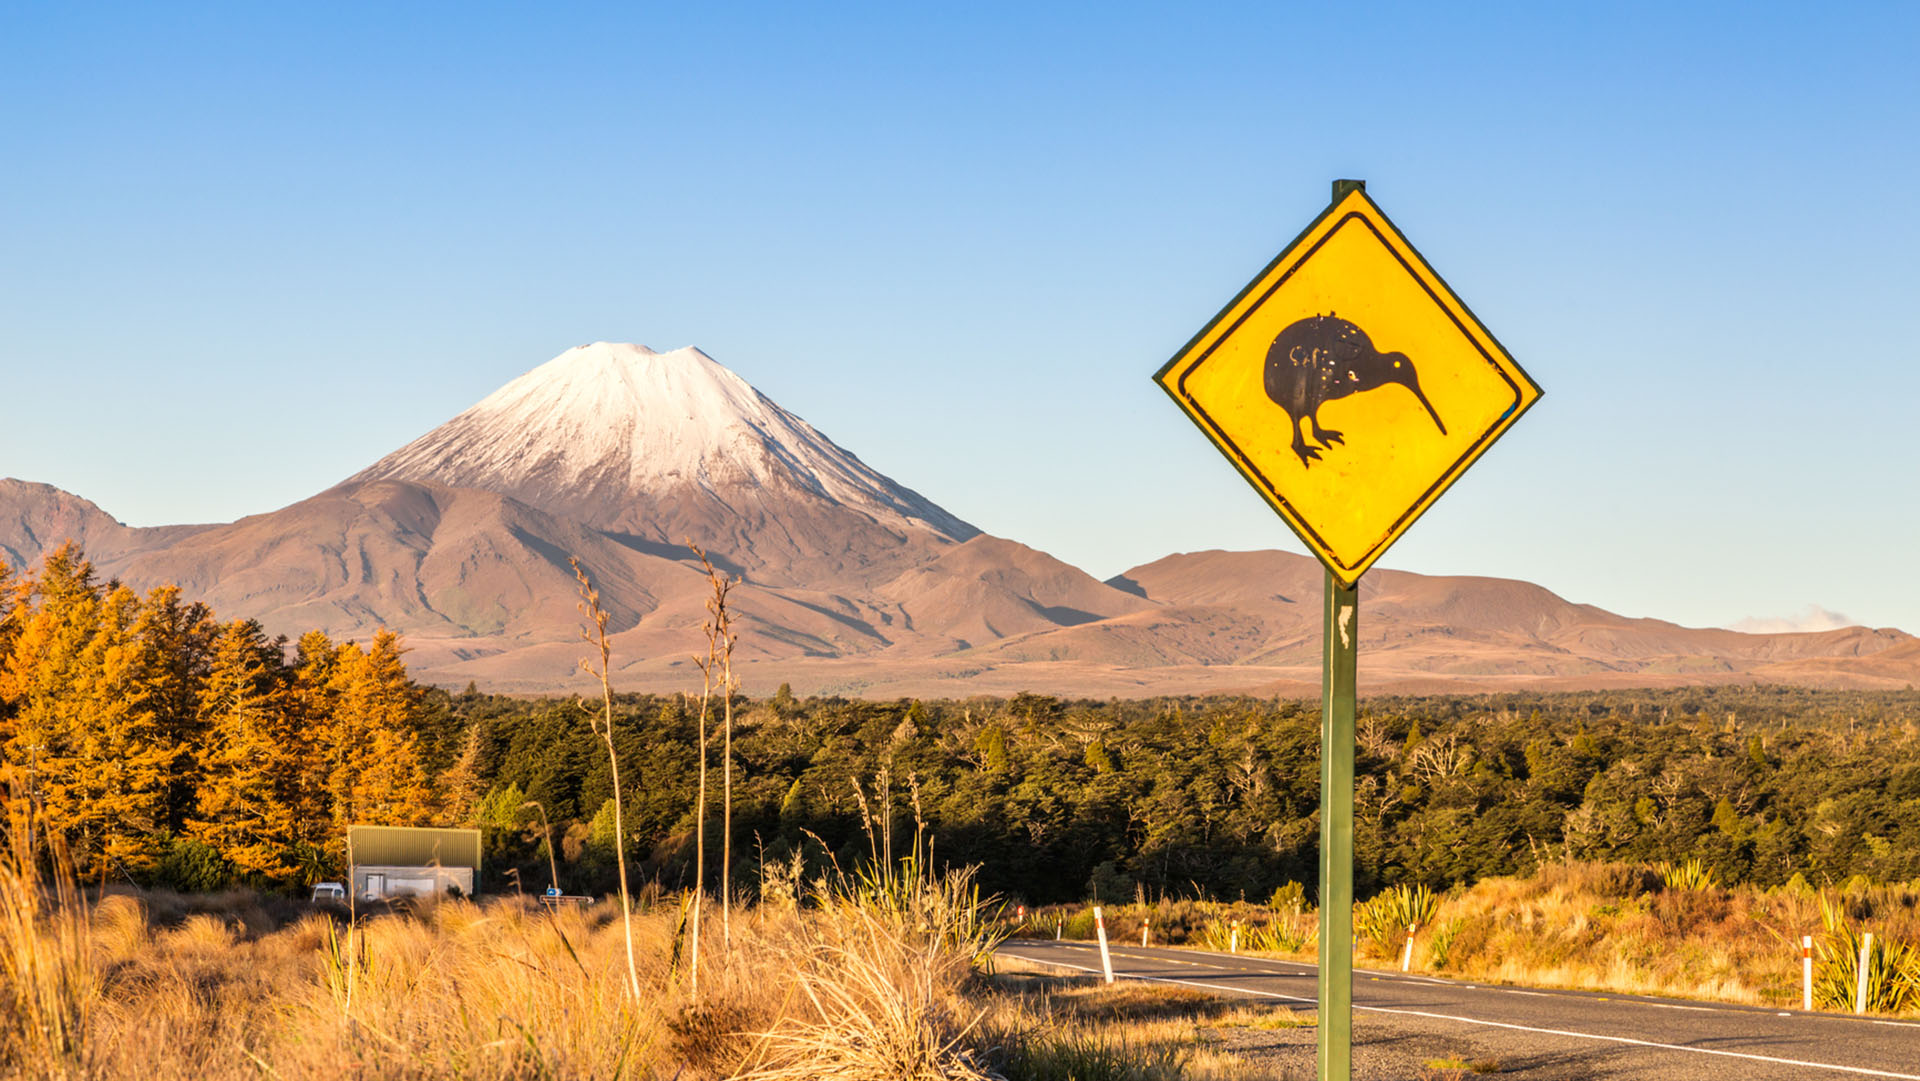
(180, 637)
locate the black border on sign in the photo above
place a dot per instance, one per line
(1289, 512)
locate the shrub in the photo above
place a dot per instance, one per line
(1440, 946)
(1380, 924)
(1290, 898)
(1892, 975)
(1079, 925)
(1691, 875)
(192, 865)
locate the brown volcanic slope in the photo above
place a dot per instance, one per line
(853, 584)
(480, 585)
(1260, 612)
(469, 574)
(1241, 622)
(36, 518)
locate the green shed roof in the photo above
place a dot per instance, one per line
(408, 846)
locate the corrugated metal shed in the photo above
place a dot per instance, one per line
(408, 846)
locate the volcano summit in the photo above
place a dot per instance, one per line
(663, 447)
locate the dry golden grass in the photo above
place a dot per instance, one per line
(863, 985)
(876, 986)
(455, 990)
(1621, 928)
(875, 978)
(1456, 1069)
(49, 977)
(1061, 1027)
(159, 987)
(1258, 1017)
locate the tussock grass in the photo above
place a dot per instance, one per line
(1456, 1069)
(504, 989)
(49, 980)
(1262, 1017)
(871, 977)
(877, 975)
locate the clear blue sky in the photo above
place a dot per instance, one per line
(246, 250)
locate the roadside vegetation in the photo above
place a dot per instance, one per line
(1619, 927)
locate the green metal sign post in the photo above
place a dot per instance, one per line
(1341, 650)
(1350, 338)
(1336, 830)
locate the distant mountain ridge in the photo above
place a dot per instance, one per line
(851, 582)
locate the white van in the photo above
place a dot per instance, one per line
(330, 891)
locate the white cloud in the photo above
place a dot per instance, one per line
(1811, 618)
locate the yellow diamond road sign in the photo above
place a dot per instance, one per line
(1349, 385)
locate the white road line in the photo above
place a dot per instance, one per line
(1649, 1043)
(1168, 979)
(1301, 968)
(1861, 1070)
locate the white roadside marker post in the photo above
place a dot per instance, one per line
(1806, 973)
(1860, 985)
(1100, 928)
(1233, 938)
(1145, 926)
(1406, 958)
(1058, 923)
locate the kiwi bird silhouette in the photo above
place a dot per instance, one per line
(1322, 357)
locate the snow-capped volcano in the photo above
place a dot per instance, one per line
(673, 446)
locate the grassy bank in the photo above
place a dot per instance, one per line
(1597, 926)
(878, 975)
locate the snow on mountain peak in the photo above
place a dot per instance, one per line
(614, 421)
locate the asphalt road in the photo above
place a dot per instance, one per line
(1570, 1035)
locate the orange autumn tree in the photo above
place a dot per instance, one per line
(91, 734)
(43, 681)
(379, 774)
(164, 745)
(253, 802)
(111, 790)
